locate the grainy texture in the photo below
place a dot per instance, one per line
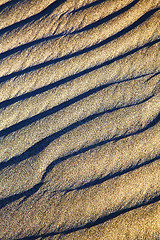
(79, 119)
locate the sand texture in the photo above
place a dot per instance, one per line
(80, 119)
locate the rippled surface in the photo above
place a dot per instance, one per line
(79, 119)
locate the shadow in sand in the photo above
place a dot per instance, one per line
(94, 223)
(57, 108)
(117, 174)
(35, 17)
(87, 49)
(108, 18)
(90, 26)
(85, 149)
(24, 96)
(41, 145)
(25, 194)
(9, 4)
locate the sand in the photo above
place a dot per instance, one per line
(79, 119)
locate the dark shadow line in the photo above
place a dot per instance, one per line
(26, 194)
(85, 149)
(90, 26)
(24, 96)
(87, 49)
(8, 4)
(100, 220)
(116, 214)
(27, 45)
(117, 174)
(106, 178)
(45, 12)
(55, 109)
(42, 144)
(92, 4)
(107, 18)
(48, 10)
(155, 74)
(33, 190)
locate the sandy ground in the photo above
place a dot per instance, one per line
(79, 119)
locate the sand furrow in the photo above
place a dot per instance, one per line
(79, 119)
(31, 80)
(49, 105)
(100, 39)
(126, 192)
(130, 118)
(57, 148)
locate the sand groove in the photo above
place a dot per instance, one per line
(79, 119)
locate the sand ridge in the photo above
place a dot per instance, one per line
(79, 119)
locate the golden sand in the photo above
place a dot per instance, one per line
(79, 120)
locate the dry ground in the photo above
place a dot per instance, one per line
(79, 119)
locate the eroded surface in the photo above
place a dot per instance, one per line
(79, 119)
